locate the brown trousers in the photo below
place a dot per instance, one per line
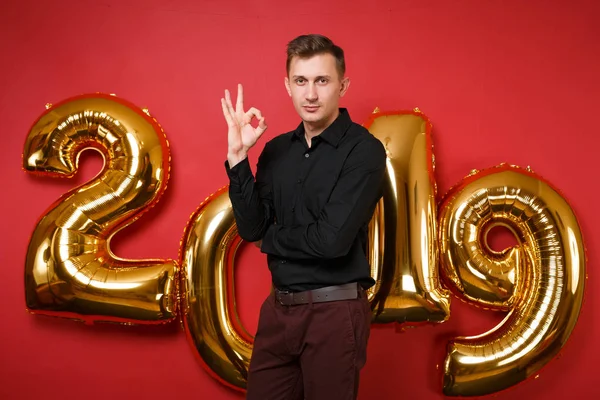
(309, 351)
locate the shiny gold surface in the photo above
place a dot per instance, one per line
(541, 281)
(69, 269)
(403, 242)
(209, 314)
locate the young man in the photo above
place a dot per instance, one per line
(315, 191)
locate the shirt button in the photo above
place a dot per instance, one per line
(293, 209)
(306, 155)
(299, 181)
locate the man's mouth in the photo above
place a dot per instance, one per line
(311, 108)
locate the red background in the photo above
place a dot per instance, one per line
(502, 81)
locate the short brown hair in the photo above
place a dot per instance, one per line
(305, 46)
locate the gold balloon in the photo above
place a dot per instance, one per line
(402, 234)
(210, 319)
(541, 280)
(70, 270)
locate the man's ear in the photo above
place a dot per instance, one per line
(287, 86)
(345, 85)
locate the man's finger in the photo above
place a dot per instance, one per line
(229, 105)
(262, 126)
(253, 112)
(239, 106)
(226, 113)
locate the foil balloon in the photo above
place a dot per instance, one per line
(70, 270)
(209, 315)
(541, 280)
(403, 249)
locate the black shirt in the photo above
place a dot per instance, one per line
(312, 206)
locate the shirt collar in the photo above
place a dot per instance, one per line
(334, 132)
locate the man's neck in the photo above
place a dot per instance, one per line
(312, 130)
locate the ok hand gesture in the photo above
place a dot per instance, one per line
(241, 134)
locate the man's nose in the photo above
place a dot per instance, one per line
(311, 92)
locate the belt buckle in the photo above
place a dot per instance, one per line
(281, 295)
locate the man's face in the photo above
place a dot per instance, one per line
(315, 87)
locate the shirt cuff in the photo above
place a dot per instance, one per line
(267, 245)
(240, 172)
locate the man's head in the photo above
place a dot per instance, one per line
(315, 78)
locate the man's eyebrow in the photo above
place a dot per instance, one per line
(316, 78)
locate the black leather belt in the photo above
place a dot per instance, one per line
(329, 293)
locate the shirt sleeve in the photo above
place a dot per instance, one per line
(252, 200)
(351, 205)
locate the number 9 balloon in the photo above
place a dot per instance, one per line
(541, 281)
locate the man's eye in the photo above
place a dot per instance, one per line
(299, 81)
(322, 80)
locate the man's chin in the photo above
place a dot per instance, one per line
(311, 117)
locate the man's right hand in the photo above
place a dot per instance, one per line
(241, 134)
